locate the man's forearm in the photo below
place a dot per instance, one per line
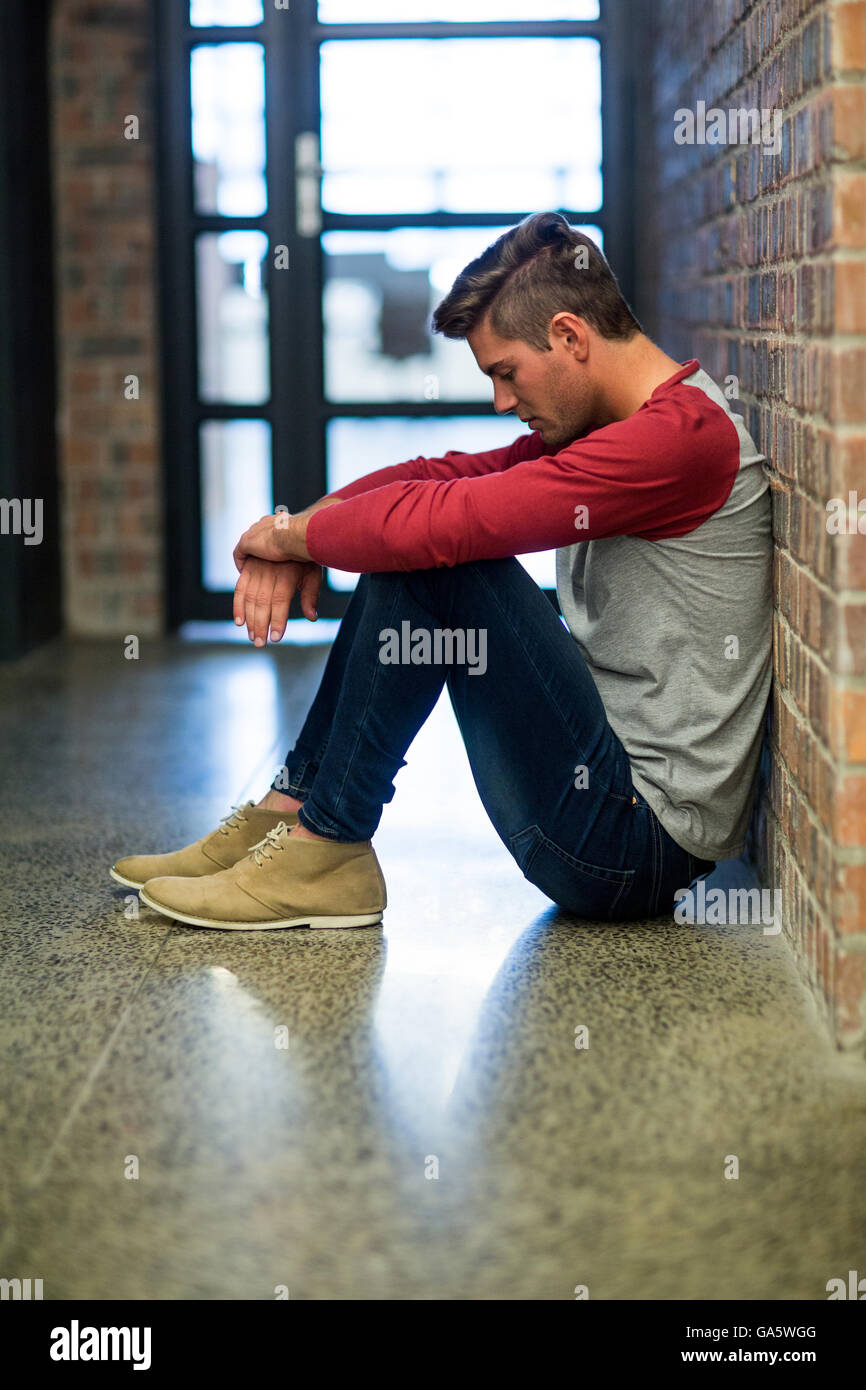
(325, 501)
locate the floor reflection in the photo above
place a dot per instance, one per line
(399, 1112)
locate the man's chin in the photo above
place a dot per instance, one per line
(554, 442)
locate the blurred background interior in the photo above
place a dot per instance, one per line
(223, 227)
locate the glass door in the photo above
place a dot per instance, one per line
(345, 160)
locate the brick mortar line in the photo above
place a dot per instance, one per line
(824, 587)
(851, 597)
(792, 181)
(822, 584)
(829, 338)
(732, 100)
(848, 429)
(819, 502)
(757, 337)
(788, 266)
(837, 937)
(803, 718)
(813, 824)
(853, 428)
(723, 152)
(823, 914)
(840, 765)
(814, 258)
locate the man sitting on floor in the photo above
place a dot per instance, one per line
(615, 754)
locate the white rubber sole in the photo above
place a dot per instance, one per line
(368, 919)
(127, 882)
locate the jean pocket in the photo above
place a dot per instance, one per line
(587, 890)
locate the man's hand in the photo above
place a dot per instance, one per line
(264, 593)
(276, 538)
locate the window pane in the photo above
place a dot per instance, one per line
(380, 290)
(236, 489)
(455, 144)
(232, 312)
(356, 447)
(203, 12)
(228, 128)
(470, 11)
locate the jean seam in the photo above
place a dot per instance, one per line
(615, 904)
(657, 865)
(299, 785)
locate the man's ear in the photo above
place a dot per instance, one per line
(571, 332)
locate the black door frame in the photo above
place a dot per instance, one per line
(298, 415)
(30, 575)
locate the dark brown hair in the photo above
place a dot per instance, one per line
(529, 274)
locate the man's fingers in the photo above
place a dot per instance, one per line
(262, 605)
(250, 577)
(311, 583)
(264, 593)
(254, 570)
(239, 602)
(284, 588)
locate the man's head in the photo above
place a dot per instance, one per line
(538, 308)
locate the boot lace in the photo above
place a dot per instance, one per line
(232, 822)
(260, 852)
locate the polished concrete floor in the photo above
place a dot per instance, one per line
(430, 1131)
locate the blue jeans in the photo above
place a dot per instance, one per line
(530, 722)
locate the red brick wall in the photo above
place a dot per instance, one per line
(755, 263)
(101, 67)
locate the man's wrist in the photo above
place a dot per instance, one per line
(303, 518)
(297, 536)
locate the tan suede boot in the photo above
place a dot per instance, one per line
(223, 847)
(283, 882)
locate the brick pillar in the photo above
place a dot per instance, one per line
(753, 261)
(101, 64)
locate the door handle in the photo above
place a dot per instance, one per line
(308, 184)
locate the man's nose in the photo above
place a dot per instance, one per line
(504, 399)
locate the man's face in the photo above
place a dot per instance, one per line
(550, 391)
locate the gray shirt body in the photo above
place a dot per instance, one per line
(677, 634)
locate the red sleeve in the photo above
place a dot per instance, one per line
(454, 464)
(661, 472)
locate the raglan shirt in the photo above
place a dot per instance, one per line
(662, 528)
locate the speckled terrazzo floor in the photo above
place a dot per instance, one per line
(444, 1041)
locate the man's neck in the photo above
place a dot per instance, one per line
(632, 370)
